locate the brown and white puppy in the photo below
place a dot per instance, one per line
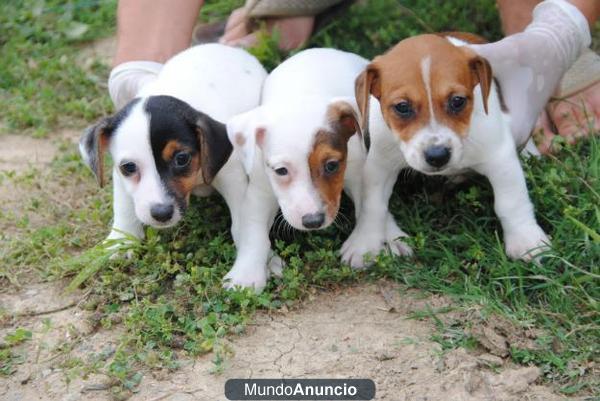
(445, 116)
(299, 150)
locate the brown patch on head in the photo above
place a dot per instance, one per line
(184, 185)
(169, 150)
(399, 76)
(465, 37)
(329, 146)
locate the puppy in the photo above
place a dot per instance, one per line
(300, 151)
(170, 141)
(446, 117)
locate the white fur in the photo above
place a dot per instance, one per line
(296, 97)
(489, 150)
(215, 79)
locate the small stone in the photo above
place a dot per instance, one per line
(490, 360)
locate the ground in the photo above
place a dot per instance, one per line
(365, 331)
(458, 321)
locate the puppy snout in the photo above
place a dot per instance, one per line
(313, 220)
(162, 211)
(437, 156)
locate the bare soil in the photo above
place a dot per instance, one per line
(359, 332)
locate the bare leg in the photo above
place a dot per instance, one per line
(155, 30)
(148, 34)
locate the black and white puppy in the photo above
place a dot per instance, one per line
(170, 141)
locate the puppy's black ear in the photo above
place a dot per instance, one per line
(215, 147)
(93, 145)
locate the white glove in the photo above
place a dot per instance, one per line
(127, 79)
(530, 64)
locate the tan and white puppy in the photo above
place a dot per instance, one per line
(300, 152)
(171, 141)
(446, 116)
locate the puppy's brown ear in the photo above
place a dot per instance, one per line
(215, 147)
(343, 115)
(92, 146)
(367, 84)
(482, 73)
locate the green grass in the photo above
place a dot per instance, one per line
(168, 296)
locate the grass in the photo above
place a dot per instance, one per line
(168, 296)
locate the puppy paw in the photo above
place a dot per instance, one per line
(117, 246)
(246, 276)
(526, 243)
(393, 238)
(359, 249)
(399, 248)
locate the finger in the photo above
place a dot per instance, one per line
(245, 42)
(237, 17)
(234, 34)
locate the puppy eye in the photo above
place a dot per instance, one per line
(404, 109)
(128, 168)
(456, 104)
(332, 166)
(182, 159)
(282, 171)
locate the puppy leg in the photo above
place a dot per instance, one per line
(253, 246)
(125, 221)
(523, 237)
(369, 236)
(232, 184)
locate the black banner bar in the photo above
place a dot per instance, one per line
(299, 389)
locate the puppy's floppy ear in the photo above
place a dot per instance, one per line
(93, 144)
(482, 73)
(367, 84)
(246, 131)
(215, 147)
(343, 115)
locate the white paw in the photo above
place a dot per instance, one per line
(526, 243)
(115, 243)
(393, 238)
(398, 247)
(246, 276)
(360, 248)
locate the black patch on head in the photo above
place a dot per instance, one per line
(95, 139)
(172, 119)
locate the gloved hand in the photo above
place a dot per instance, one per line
(127, 79)
(530, 64)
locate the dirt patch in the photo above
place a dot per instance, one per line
(19, 153)
(360, 332)
(25, 179)
(101, 50)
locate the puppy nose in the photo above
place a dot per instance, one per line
(314, 220)
(437, 156)
(162, 211)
